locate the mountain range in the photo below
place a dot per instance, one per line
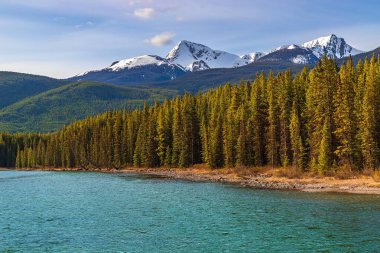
(37, 103)
(189, 56)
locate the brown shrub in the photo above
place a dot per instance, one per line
(345, 172)
(288, 172)
(376, 175)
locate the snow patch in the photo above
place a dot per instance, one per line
(251, 57)
(300, 59)
(137, 62)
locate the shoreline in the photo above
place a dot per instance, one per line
(361, 185)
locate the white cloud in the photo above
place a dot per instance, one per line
(145, 13)
(162, 39)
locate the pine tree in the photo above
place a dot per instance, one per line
(370, 119)
(296, 139)
(177, 133)
(163, 135)
(324, 156)
(258, 123)
(344, 117)
(284, 117)
(243, 143)
(273, 122)
(230, 130)
(323, 79)
(118, 159)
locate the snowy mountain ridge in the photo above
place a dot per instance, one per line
(310, 52)
(137, 61)
(190, 56)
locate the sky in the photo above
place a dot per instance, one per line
(61, 38)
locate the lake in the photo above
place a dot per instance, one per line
(96, 212)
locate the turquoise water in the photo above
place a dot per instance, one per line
(94, 212)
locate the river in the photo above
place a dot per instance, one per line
(97, 212)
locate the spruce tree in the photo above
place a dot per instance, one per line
(296, 139)
(273, 122)
(344, 117)
(370, 119)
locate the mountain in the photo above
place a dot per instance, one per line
(133, 71)
(311, 51)
(17, 86)
(189, 56)
(185, 57)
(332, 46)
(293, 53)
(53, 109)
(195, 57)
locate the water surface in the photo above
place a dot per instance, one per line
(95, 212)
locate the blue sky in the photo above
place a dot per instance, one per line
(61, 38)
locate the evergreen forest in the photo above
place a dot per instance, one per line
(316, 120)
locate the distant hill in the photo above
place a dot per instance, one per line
(51, 110)
(17, 86)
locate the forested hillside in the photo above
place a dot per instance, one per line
(52, 109)
(316, 120)
(17, 86)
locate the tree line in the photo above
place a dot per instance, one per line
(317, 120)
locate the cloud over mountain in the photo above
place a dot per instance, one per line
(161, 39)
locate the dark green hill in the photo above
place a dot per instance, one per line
(52, 109)
(17, 86)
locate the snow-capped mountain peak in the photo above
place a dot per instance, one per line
(322, 41)
(189, 55)
(332, 46)
(137, 62)
(311, 51)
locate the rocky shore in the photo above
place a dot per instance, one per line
(361, 185)
(266, 181)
